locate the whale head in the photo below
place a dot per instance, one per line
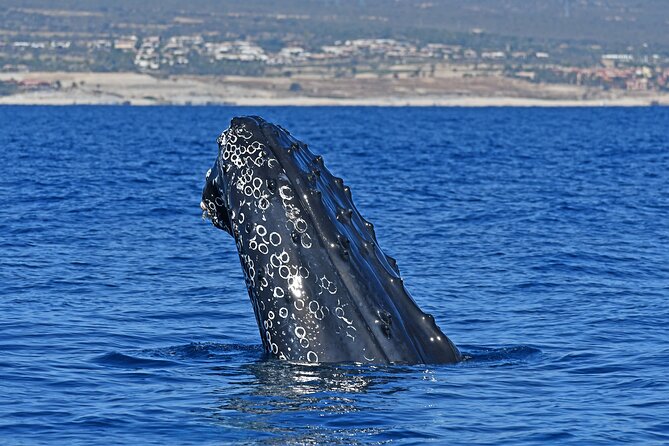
(321, 288)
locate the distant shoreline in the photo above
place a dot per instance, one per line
(468, 103)
(137, 89)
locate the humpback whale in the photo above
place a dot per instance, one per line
(322, 289)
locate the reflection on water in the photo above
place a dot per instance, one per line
(284, 403)
(303, 404)
(298, 380)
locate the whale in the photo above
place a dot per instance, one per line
(321, 287)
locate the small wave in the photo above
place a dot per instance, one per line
(503, 356)
(181, 355)
(223, 353)
(203, 350)
(120, 360)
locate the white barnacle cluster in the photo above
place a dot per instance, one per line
(238, 149)
(294, 222)
(262, 240)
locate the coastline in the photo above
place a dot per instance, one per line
(143, 90)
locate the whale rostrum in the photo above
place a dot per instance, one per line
(322, 289)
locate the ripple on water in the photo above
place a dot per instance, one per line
(121, 360)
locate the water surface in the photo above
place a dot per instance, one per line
(538, 238)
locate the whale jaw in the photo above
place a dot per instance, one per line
(321, 288)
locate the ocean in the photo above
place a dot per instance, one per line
(537, 237)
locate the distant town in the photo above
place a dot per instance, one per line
(196, 54)
(344, 49)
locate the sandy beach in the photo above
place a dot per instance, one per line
(143, 89)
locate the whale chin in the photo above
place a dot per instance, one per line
(322, 289)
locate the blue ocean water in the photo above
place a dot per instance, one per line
(538, 238)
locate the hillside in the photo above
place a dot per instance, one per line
(612, 23)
